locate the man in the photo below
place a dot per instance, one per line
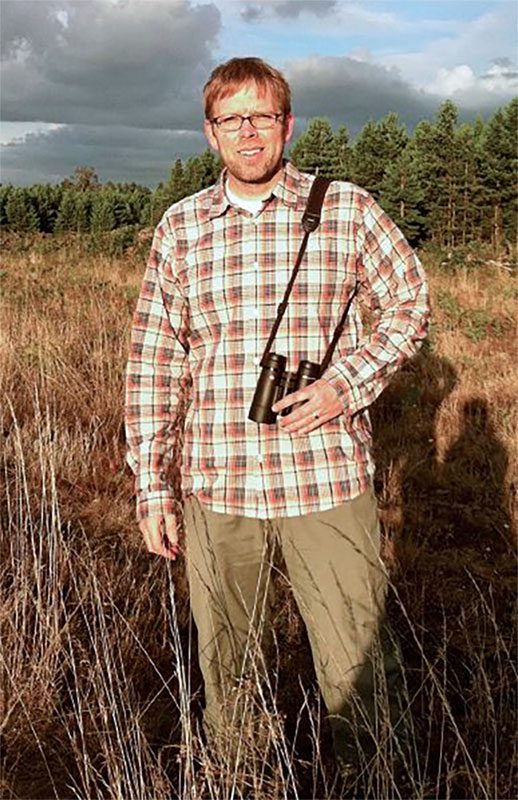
(218, 268)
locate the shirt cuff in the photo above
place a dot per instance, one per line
(156, 504)
(352, 398)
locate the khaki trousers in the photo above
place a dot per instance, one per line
(333, 564)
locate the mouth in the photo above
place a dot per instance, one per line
(250, 153)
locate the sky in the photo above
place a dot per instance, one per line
(116, 84)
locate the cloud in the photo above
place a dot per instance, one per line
(120, 80)
(351, 91)
(107, 63)
(486, 39)
(117, 153)
(477, 93)
(287, 9)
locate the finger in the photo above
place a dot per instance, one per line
(305, 421)
(312, 425)
(154, 538)
(170, 534)
(300, 396)
(308, 407)
(325, 415)
(159, 546)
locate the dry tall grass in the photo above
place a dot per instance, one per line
(99, 682)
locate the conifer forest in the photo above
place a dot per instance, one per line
(448, 182)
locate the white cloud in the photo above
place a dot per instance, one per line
(475, 44)
(449, 81)
(17, 132)
(477, 93)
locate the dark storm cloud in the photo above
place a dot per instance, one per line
(287, 9)
(351, 92)
(97, 62)
(118, 154)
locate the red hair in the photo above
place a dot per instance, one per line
(232, 75)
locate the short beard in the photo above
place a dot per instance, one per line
(265, 177)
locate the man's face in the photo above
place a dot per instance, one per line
(253, 158)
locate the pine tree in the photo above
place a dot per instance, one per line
(342, 163)
(201, 171)
(46, 199)
(440, 170)
(103, 216)
(315, 151)
(176, 187)
(74, 212)
(377, 146)
(209, 168)
(423, 144)
(470, 191)
(402, 195)
(20, 212)
(499, 173)
(121, 209)
(447, 173)
(5, 190)
(138, 200)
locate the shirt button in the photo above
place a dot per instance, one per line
(260, 459)
(256, 265)
(257, 361)
(255, 312)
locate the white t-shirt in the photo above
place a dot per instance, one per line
(253, 205)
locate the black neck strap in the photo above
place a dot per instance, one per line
(310, 222)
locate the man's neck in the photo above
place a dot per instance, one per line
(253, 191)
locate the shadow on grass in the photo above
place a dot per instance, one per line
(448, 527)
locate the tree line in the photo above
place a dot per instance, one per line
(448, 183)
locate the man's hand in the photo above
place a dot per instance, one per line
(320, 404)
(161, 536)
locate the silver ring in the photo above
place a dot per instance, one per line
(316, 414)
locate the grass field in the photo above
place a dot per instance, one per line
(100, 687)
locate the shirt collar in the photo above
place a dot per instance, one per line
(290, 187)
(218, 200)
(291, 190)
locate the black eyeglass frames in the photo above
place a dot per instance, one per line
(234, 122)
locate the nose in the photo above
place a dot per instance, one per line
(247, 129)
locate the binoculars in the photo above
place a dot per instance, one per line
(275, 382)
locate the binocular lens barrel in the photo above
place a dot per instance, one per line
(286, 386)
(308, 372)
(274, 383)
(265, 395)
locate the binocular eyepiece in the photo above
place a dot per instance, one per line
(275, 382)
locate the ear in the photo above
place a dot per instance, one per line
(209, 134)
(288, 127)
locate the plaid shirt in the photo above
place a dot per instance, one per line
(215, 277)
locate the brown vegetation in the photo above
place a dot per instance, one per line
(99, 695)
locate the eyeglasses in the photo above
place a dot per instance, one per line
(234, 122)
